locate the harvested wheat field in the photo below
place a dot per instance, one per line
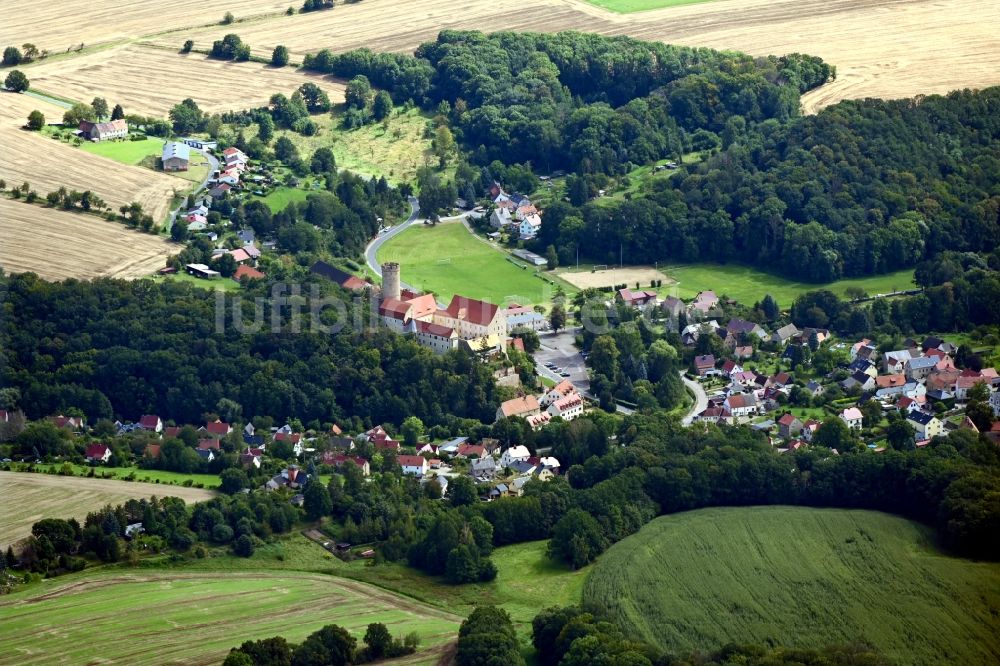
(47, 164)
(55, 26)
(149, 80)
(58, 244)
(628, 275)
(882, 48)
(27, 498)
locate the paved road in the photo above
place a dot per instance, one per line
(700, 399)
(213, 166)
(371, 252)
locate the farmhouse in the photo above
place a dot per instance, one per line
(113, 129)
(176, 156)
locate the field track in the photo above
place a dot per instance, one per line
(47, 164)
(28, 497)
(199, 616)
(882, 48)
(149, 81)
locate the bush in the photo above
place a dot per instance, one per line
(244, 546)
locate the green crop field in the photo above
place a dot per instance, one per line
(447, 260)
(801, 577)
(147, 475)
(749, 285)
(187, 617)
(126, 152)
(629, 6)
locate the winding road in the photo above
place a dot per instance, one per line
(371, 252)
(700, 400)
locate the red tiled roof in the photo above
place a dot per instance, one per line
(787, 420)
(294, 437)
(885, 381)
(410, 461)
(477, 312)
(247, 272)
(354, 282)
(149, 421)
(471, 450)
(208, 443)
(171, 432)
(391, 307)
(519, 406)
(239, 255)
(96, 450)
(217, 428)
(435, 329)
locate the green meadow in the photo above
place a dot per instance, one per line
(135, 616)
(137, 474)
(447, 260)
(799, 577)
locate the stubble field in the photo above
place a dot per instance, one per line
(149, 81)
(30, 497)
(58, 244)
(882, 48)
(47, 164)
(57, 25)
(799, 577)
(195, 618)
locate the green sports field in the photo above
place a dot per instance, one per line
(800, 577)
(138, 617)
(447, 260)
(629, 6)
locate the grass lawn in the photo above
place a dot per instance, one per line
(279, 198)
(447, 260)
(800, 577)
(222, 284)
(126, 152)
(629, 6)
(132, 616)
(749, 285)
(527, 581)
(150, 475)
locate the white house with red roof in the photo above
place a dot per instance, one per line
(635, 298)
(413, 465)
(98, 453)
(568, 407)
(557, 392)
(218, 428)
(151, 422)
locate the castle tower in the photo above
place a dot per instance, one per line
(390, 280)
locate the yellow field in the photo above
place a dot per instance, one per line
(150, 81)
(58, 25)
(58, 244)
(882, 48)
(27, 498)
(628, 276)
(47, 164)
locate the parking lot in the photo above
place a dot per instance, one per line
(566, 361)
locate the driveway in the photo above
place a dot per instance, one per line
(371, 252)
(213, 166)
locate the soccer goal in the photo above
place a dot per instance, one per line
(446, 260)
(600, 267)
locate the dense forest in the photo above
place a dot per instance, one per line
(864, 187)
(123, 349)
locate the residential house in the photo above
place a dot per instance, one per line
(293, 438)
(789, 426)
(339, 459)
(865, 381)
(234, 156)
(704, 303)
(413, 465)
(740, 405)
(176, 156)
(208, 455)
(291, 477)
(209, 444)
(857, 346)
(965, 382)
(917, 369)
(514, 454)
(635, 298)
(926, 425)
(783, 334)
(809, 429)
(151, 422)
(730, 368)
(501, 218)
(529, 226)
(568, 408)
(470, 451)
(704, 364)
(814, 388)
(557, 392)
(251, 457)
(218, 428)
(524, 407)
(853, 417)
(894, 362)
(711, 415)
(98, 453)
(863, 365)
(94, 131)
(71, 422)
(740, 329)
(536, 421)
(248, 272)
(743, 351)
(484, 469)
(672, 307)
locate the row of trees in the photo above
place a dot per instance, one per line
(330, 646)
